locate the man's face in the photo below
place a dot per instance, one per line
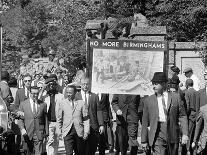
(34, 94)
(27, 82)
(85, 85)
(158, 87)
(37, 77)
(59, 75)
(51, 57)
(70, 92)
(52, 86)
(188, 74)
(66, 80)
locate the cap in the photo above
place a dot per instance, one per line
(159, 77)
(187, 70)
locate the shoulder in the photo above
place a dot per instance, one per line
(20, 90)
(59, 96)
(25, 102)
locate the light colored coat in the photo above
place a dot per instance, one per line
(77, 116)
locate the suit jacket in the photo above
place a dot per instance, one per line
(201, 99)
(150, 119)
(201, 128)
(77, 116)
(105, 106)
(34, 123)
(94, 110)
(128, 104)
(190, 98)
(20, 96)
(46, 99)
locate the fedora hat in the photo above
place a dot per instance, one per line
(159, 77)
(175, 69)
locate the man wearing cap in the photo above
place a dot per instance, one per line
(189, 74)
(52, 98)
(161, 115)
(190, 98)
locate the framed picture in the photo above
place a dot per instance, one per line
(124, 66)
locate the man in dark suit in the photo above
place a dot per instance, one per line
(126, 109)
(23, 93)
(34, 126)
(161, 115)
(190, 98)
(95, 116)
(106, 140)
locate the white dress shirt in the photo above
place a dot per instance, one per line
(83, 96)
(162, 117)
(31, 103)
(196, 82)
(26, 91)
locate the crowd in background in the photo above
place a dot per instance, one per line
(50, 107)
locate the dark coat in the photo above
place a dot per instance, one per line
(128, 104)
(105, 106)
(94, 110)
(150, 119)
(190, 98)
(20, 97)
(34, 123)
(201, 98)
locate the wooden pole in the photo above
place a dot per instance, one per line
(0, 50)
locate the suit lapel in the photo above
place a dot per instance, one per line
(29, 106)
(169, 102)
(154, 99)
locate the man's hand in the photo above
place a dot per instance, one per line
(144, 146)
(85, 136)
(101, 129)
(20, 113)
(193, 145)
(24, 132)
(119, 112)
(184, 139)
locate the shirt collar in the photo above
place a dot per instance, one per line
(4, 81)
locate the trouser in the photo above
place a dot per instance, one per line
(126, 136)
(92, 142)
(34, 146)
(53, 139)
(73, 142)
(106, 140)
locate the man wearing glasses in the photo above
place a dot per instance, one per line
(161, 115)
(23, 93)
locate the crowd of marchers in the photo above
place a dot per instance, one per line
(173, 119)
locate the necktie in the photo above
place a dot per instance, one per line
(34, 108)
(164, 106)
(72, 104)
(86, 101)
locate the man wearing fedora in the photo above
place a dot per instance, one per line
(52, 97)
(160, 122)
(190, 75)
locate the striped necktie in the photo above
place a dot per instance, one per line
(164, 106)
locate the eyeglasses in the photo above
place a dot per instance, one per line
(34, 93)
(27, 80)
